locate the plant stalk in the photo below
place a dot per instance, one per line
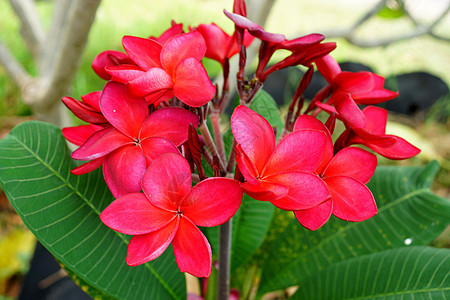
(224, 260)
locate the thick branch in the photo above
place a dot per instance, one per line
(64, 49)
(13, 67)
(421, 29)
(31, 30)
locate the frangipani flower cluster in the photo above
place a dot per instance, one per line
(148, 131)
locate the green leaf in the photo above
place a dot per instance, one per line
(265, 105)
(391, 12)
(62, 210)
(404, 273)
(408, 214)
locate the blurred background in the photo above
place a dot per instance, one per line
(408, 42)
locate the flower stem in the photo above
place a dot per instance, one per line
(214, 116)
(224, 260)
(210, 143)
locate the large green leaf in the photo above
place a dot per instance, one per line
(408, 214)
(62, 210)
(404, 273)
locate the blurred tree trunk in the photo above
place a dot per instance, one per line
(57, 54)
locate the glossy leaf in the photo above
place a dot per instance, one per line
(265, 105)
(62, 210)
(408, 214)
(404, 273)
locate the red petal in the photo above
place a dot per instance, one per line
(265, 191)
(170, 123)
(246, 167)
(376, 119)
(133, 214)
(217, 41)
(101, 143)
(348, 110)
(144, 52)
(123, 170)
(192, 84)
(254, 134)
(301, 150)
(255, 29)
(352, 200)
(401, 149)
(155, 146)
(192, 250)
(88, 167)
(157, 97)
(180, 47)
(83, 111)
(328, 67)
(167, 181)
(352, 162)
(306, 190)
(79, 134)
(108, 58)
(213, 201)
(376, 96)
(119, 109)
(306, 122)
(146, 247)
(154, 80)
(172, 31)
(356, 84)
(124, 73)
(315, 217)
(92, 99)
(300, 42)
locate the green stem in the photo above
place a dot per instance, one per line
(224, 260)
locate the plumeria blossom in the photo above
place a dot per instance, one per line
(134, 138)
(345, 175)
(283, 174)
(170, 210)
(348, 89)
(163, 71)
(304, 49)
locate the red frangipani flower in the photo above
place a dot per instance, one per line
(283, 174)
(305, 49)
(134, 139)
(345, 175)
(162, 72)
(349, 89)
(170, 210)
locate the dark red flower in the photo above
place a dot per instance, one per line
(134, 138)
(170, 210)
(162, 72)
(283, 175)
